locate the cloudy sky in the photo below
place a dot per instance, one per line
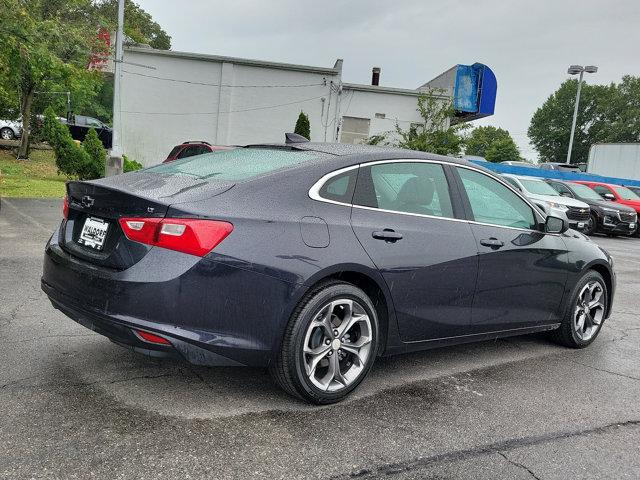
(527, 44)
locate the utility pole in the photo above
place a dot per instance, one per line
(114, 162)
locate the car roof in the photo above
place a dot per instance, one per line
(362, 152)
(593, 182)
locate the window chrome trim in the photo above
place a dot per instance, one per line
(314, 192)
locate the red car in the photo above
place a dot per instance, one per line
(615, 193)
(191, 149)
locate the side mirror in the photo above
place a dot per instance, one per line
(555, 225)
(609, 196)
(565, 194)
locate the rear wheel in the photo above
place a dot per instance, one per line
(587, 311)
(329, 345)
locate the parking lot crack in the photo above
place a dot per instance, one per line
(520, 465)
(482, 450)
(604, 370)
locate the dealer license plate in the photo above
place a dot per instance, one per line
(94, 232)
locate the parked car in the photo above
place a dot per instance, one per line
(606, 217)
(10, 129)
(191, 148)
(79, 126)
(367, 251)
(563, 167)
(616, 193)
(635, 189)
(543, 195)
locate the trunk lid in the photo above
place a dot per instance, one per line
(92, 232)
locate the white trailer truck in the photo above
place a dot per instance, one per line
(621, 160)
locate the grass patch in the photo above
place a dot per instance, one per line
(36, 177)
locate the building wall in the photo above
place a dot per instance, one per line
(228, 101)
(239, 105)
(381, 108)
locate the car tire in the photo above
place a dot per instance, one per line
(322, 358)
(591, 226)
(579, 328)
(7, 134)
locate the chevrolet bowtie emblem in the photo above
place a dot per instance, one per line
(87, 201)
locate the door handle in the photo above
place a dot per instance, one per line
(388, 235)
(492, 242)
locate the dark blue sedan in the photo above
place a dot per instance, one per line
(314, 259)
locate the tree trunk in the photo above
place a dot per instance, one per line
(25, 110)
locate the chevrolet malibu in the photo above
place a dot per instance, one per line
(314, 259)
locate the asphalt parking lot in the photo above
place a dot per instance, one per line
(74, 405)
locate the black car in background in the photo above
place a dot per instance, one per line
(79, 126)
(606, 217)
(313, 259)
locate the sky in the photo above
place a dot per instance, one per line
(528, 44)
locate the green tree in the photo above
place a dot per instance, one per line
(482, 139)
(97, 155)
(138, 24)
(550, 126)
(85, 161)
(435, 134)
(302, 126)
(43, 42)
(45, 48)
(501, 150)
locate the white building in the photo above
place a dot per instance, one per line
(169, 97)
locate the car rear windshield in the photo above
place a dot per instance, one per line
(233, 165)
(538, 187)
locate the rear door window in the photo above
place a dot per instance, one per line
(406, 187)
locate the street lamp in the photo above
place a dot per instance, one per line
(574, 70)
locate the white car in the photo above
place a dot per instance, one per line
(547, 198)
(10, 129)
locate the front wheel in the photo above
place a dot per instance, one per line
(587, 311)
(591, 226)
(7, 134)
(329, 345)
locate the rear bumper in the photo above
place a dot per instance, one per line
(212, 313)
(122, 333)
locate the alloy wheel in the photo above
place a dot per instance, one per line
(589, 311)
(337, 345)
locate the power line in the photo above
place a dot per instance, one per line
(190, 82)
(222, 113)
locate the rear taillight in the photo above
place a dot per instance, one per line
(187, 235)
(65, 207)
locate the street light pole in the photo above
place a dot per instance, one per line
(574, 69)
(114, 162)
(575, 117)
